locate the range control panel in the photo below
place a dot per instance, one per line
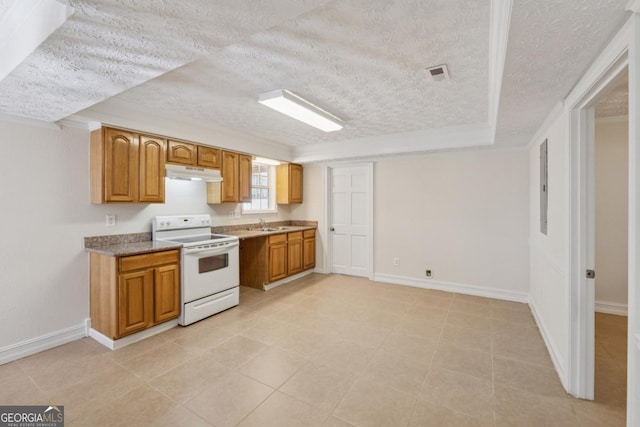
(178, 222)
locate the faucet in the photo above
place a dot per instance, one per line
(261, 221)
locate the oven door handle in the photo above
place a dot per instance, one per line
(218, 250)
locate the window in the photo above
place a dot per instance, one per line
(263, 189)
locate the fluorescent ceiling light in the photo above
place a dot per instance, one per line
(24, 25)
(266, 161)
(298, 108)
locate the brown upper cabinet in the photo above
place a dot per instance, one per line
(189, 154)
(289, 183)
(126, 167)
(245, 168)
(209, 157)
(181, 153)
(236, 184)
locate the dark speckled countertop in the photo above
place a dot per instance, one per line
(141, 243)
(126, 244)
(249, 231)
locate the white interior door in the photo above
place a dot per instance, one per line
(350, 221)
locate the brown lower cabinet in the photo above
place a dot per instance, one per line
(132, 293)
(294, 253)
(309, 249)
(270, 258)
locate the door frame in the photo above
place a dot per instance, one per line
(325, 233)
(622, 52)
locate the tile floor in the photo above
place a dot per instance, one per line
(329, 351)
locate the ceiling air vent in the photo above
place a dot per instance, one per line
(438, 73)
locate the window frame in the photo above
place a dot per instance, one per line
(271, 176)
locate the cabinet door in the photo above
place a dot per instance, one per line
(294, 256)
(230, 176)
(166, 295)
(289, 183)
(135, 301)
(182, 153)
(277, 261)
(309, 253)
(121, 166)
(244, 178)
(152, 159)
(295, 183)
(209, 157)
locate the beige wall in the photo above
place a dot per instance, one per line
(611, 204)
(463, 215)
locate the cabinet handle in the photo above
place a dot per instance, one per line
(332, 229)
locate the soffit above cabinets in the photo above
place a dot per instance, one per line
(204, 63)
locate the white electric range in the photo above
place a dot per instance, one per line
(209, 265)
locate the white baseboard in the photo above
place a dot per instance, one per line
(453, 287)
(287, 280)
(612, 308)
(557, 362)
(45, 342)
(130, 339)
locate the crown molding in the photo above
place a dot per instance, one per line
(499, 26)
(450, 138)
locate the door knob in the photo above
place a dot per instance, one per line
(332, 229)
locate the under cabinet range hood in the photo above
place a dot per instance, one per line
(192, 173)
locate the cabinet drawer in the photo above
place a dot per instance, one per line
(278, 238)
(296, 235)
(309, 234)
(153, 259)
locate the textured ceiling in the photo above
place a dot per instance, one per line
(362, 60)
(551, 44)
(108, 46)
(205, 63)
(615, 101)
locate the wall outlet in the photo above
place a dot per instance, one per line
(396, 261)
(428, 273)
(110, 220)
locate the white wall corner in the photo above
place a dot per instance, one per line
(553, 352)
(44, 342)
(459, 288)
(540, 134)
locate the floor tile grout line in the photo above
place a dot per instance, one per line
(430, 365)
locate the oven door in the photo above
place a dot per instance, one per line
(209, 271)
